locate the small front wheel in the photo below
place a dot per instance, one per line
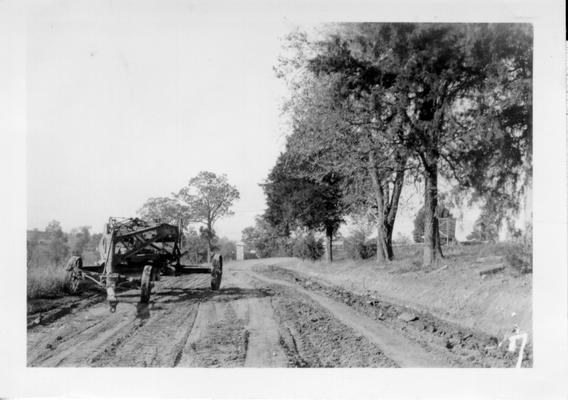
(146, 284)
(73, 274)
(216, 272)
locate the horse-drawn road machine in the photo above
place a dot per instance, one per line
(135, 251)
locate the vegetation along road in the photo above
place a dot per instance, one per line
(264, 315)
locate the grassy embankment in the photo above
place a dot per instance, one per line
(47, 280)
(454, 291)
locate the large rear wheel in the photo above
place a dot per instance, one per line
(73, 275)
(146, 284)
(216, 271)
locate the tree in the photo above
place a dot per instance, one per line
(195, 246)
(227, 248)
(344, 121)
(453, 99)
(94, 241)
(80, 238)
(486, 228)
(265, 239)
(446, 89)
(166, 210)
(294, 200)
(306, 246)
(208, 197)
(56, 243)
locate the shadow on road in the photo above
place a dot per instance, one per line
(175, 295)
(221, 295)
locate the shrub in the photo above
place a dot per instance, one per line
(519, 255)
(266, 240)
(357, 247)
(354, 245)
(370, 249)
(308, 247)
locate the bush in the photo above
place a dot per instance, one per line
(308, 247)
(357, 247)
(354, 245)
(266, 240)
(370, 249)
(519, 255)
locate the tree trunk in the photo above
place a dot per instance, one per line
(209, 234)
(388, 240)
(382, 253)
(393, 206)
(328, 245)
(432, 249)
(384, 248)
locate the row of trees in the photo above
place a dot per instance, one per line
(374, 106)
(53, 246)
(206, 199)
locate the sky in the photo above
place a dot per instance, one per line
(127, 101)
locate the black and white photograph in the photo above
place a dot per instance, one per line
(207, 186)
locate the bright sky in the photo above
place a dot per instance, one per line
(127, 101)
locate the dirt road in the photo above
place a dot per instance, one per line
(261, 317)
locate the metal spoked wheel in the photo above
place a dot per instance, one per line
(73, 274)
(146, 284)
(216, 272)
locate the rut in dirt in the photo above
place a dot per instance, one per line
(245, 324)
(402, 352)
(458, 345)
(261, 317)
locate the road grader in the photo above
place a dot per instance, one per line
(135, 251)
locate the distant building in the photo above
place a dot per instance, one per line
(240, 251)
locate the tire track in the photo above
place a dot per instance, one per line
(156, 343)
(92, 336)
(402, 351)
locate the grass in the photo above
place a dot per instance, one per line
(45, 281)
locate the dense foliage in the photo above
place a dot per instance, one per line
(378, 103)
(296, 201)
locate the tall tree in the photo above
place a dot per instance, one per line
(208, 198)
(294, 200)
(343, 120)
(446, 89)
